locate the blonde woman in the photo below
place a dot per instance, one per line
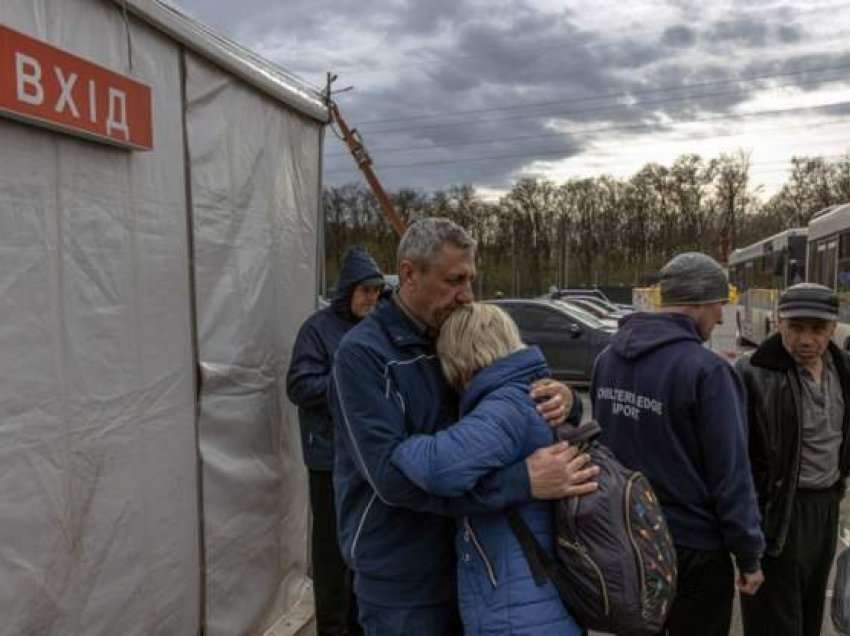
(483, 357)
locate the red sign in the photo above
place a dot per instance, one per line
(49, 87)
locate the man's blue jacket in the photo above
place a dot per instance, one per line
(313, 356)
(387, 385)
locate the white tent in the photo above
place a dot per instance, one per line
(150, 471)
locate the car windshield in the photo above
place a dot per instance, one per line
(580, 314)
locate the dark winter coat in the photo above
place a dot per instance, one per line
(387, 385)
(775, 413)
(500, 426)
(313, 357)
(675, 411)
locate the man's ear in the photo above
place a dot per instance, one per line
(406, 270)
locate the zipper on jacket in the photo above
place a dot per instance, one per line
(576, 547)
(638, 556)
(490, 572)
(361, 524)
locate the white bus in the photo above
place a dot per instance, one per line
(760, 272)
(829, 261)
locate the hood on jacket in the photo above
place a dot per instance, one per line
(357, 266)
(641, 333)
(525, 365)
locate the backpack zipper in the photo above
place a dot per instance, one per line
(490, 573)
(638, 558)
(583, 552)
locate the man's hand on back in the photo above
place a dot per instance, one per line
(556, 400)
(560, 471)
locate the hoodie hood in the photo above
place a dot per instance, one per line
(525, 365)
(356, 267)
(641, 333)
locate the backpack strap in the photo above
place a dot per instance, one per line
(585, 433)
(534, 554)
(543, 566)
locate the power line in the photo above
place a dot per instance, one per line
(639, 126)
(604, 96)
(493, 139)
(566, 113)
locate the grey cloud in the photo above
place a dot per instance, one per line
(789, 33)
(679, 36)
(743, 31)
(420, 17)
(481, 54)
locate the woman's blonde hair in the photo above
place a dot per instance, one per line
(474, 336)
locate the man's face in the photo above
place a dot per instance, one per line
(435, 291)
(709, 317)
(364, 299)
(806, 339)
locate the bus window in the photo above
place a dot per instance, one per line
(831, 263)
(818, 256)
(843, 276)
(797, 252)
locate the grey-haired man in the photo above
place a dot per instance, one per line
(387, 385)
(674, 410)
(798, 386)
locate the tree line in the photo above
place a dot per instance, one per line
(601, 231)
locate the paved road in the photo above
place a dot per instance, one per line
(844, 530)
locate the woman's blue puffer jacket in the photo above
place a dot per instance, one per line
(499, 427)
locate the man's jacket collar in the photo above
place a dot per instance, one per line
(401, 329)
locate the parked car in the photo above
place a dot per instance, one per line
(609, 319)
(593, 304)
(569, 337)
(588, 292)
(391, 280)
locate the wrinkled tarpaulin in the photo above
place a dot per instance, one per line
(98, 448)
(254, 190)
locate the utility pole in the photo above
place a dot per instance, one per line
(355, 145)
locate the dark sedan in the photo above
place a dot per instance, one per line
(569, 337)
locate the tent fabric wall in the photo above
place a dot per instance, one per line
(255, 182)
(98, 488)
(99, 433)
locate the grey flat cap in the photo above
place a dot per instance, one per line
(809, 300)
(693, 278)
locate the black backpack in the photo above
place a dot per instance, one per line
(615, 564)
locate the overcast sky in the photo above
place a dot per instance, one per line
(488, 91)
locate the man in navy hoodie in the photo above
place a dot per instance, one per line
(357, 291)
(674, 410)
(387, 385)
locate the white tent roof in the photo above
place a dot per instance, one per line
(232, 57)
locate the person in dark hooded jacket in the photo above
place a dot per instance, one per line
(357, 292)
(675, 411)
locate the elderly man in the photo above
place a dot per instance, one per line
(798, 388)
(357, 291)
(387, 386)
(674, 410)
